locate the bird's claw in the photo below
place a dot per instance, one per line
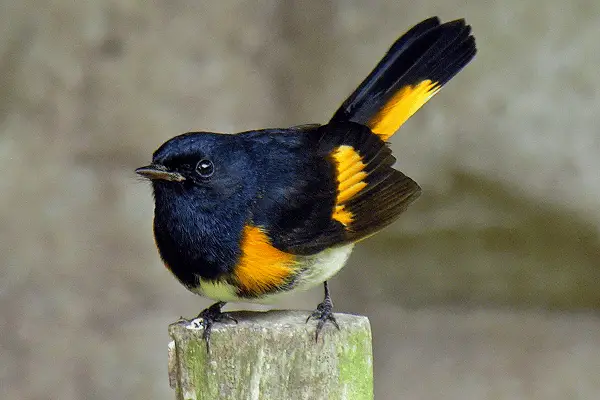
(322, 314)
(206, 319)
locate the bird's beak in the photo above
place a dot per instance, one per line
(154, 171)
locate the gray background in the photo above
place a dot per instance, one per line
(486, 288)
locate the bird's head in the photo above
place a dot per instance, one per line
(202, 168)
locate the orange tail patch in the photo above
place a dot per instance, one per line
(262, 268)
(401, 107)
(350, 177)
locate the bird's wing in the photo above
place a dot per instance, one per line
(336, 186)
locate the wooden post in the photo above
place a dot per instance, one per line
(273, 356)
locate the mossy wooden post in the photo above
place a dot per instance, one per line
(273, 356)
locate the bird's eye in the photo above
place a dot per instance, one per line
(205, 168)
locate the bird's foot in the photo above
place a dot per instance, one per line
(323, 313)
(206, 319)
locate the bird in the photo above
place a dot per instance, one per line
(255, 215)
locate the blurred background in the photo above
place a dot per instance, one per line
(487, 288)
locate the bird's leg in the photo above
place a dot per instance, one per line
(207, 318)
(324, 312)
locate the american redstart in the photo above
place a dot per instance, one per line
(254, 215)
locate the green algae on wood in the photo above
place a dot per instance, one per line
(273, 355)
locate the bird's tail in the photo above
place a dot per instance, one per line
(415, 68)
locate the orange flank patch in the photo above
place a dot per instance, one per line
(350, 177)
(401, 106)
(262, 268)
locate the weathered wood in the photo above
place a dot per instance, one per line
(273, 356)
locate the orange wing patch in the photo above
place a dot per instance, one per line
(350, 177)
(401, 107)
(262, 268)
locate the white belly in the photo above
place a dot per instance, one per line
(322, 266)
(315, 270)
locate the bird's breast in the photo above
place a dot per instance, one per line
(197, 245)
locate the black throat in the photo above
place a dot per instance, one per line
(197, 242)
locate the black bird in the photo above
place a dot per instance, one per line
(255, 215)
